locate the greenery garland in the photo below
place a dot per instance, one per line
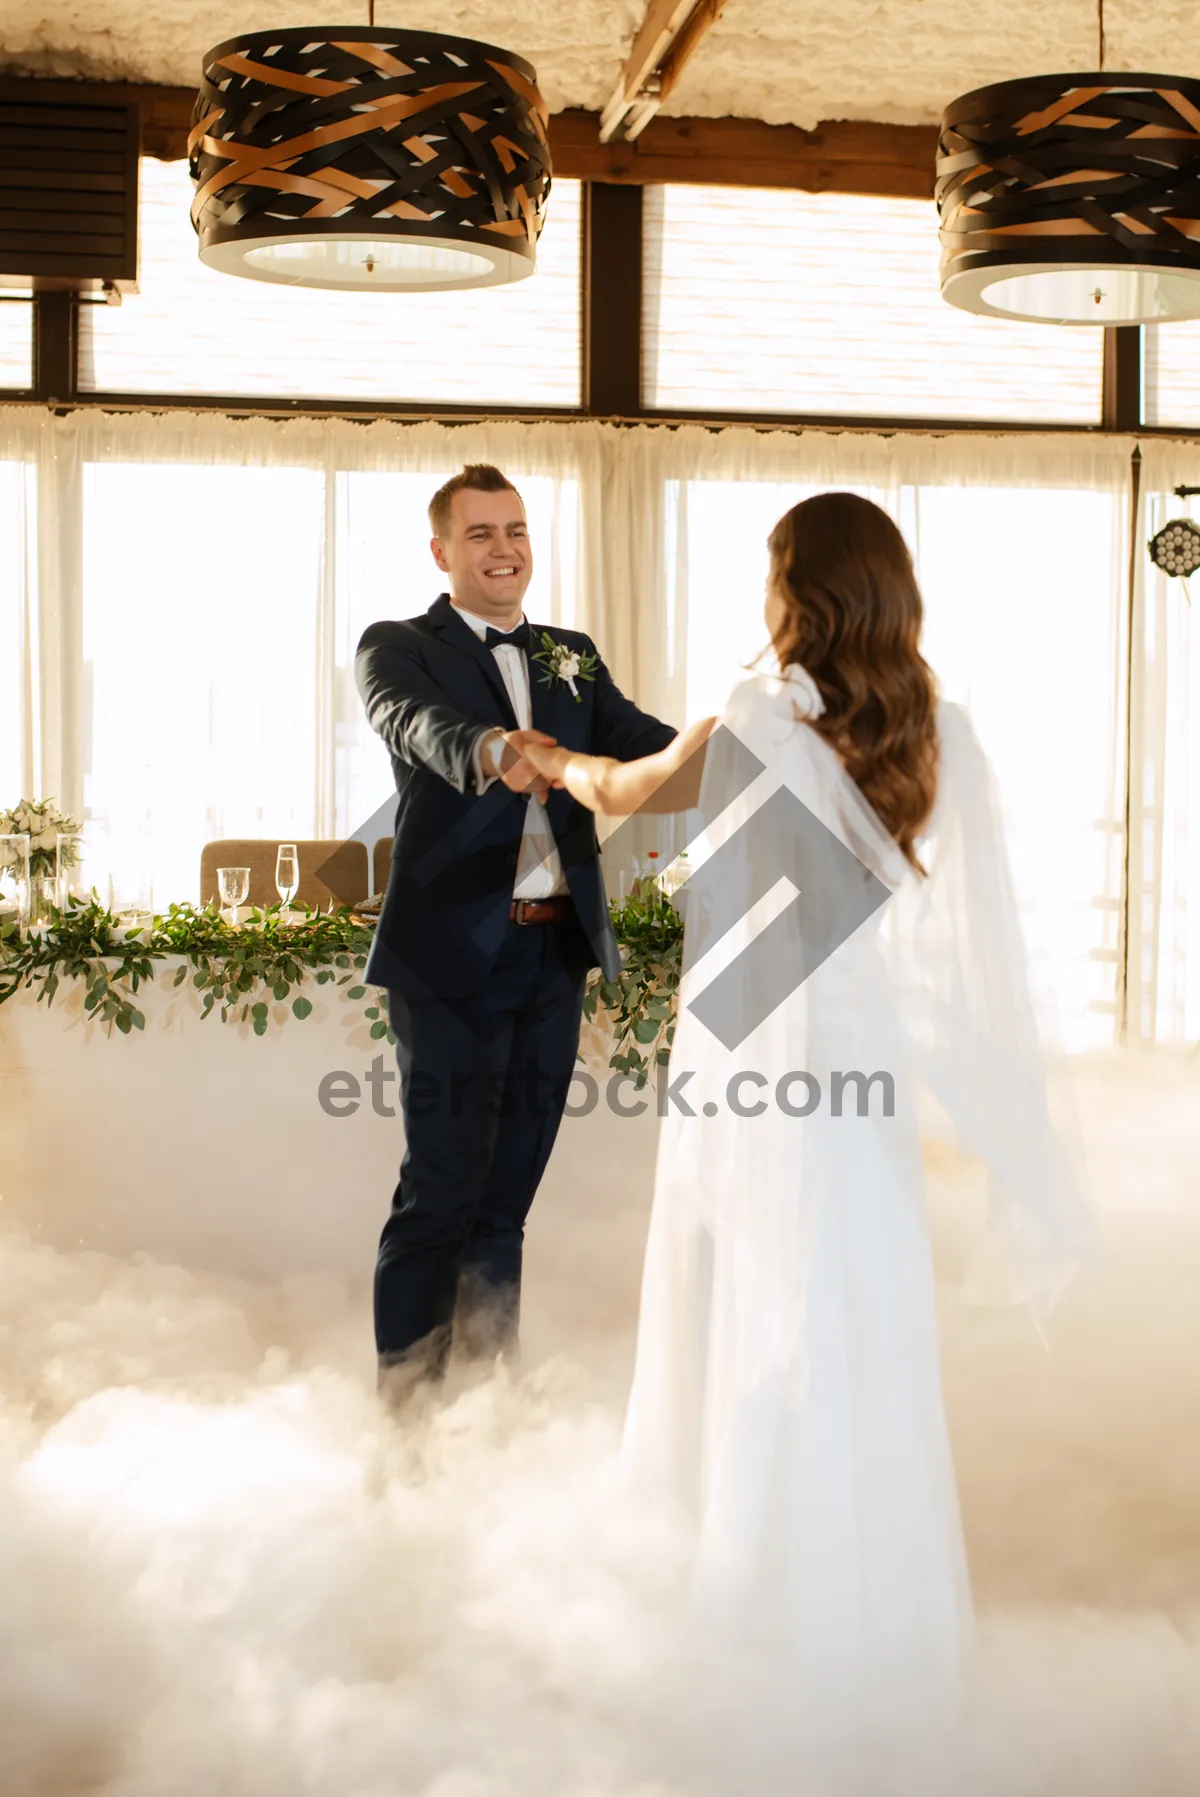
(235, 970)
(239, 970)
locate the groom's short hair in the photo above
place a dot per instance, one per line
(478, 477)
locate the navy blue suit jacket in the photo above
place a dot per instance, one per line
(432, 691)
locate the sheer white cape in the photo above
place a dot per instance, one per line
(787, 1388)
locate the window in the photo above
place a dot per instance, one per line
(1027, 636)
(1172, 375)
(773, 301)
(190, 330)
(218, 695)
(200, 674)
(16, 344)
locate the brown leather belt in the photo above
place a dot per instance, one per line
(547, 910)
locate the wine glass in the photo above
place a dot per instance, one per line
(287, 874)
(234, 886)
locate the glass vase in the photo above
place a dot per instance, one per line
(43, 895)
(14, 879)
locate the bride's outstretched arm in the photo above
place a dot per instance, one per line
(668, 781)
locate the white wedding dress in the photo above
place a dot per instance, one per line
(787, 1388)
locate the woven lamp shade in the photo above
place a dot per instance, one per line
(364, 158)
(1073, 199)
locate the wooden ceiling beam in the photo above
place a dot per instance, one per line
(670, 34)
(839, 156)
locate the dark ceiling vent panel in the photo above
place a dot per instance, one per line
(68, 189)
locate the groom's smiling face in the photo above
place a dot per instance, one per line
(486, 552)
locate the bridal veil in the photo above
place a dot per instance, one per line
(787, 1389)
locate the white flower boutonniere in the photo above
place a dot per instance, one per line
(562, 663)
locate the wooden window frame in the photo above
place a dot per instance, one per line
(843, 156)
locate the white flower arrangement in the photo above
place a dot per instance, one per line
(43, 823)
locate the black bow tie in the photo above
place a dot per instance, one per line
(519, 638)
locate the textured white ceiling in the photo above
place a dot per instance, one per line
(577, 46)
(798, 61)
(788, 61)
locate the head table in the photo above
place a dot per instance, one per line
(267, 1144)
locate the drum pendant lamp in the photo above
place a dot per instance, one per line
(364, 158)
(1073, 199)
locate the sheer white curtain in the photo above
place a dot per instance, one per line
(201, 586)
(187, 592)
(1164, 836)
(18, 587)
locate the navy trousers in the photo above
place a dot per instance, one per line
(483, 1083)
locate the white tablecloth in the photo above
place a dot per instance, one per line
(198, 1142)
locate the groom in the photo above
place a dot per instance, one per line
(495, 911)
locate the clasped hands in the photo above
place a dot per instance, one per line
(531, 762)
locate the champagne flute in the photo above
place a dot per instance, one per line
(287, 874)
(234, 886)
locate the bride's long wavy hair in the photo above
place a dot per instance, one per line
(852, 618)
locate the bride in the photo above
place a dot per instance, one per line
(787, 1389)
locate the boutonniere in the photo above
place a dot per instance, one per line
(562, 663)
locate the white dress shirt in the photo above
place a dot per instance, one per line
(539, 869)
